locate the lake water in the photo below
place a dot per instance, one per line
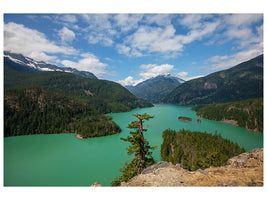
(63, 160)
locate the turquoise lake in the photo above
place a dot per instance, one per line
(64, 160)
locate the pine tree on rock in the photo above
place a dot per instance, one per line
(139, 147)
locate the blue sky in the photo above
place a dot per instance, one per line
(130, 48)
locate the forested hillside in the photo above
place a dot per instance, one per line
(104, 96)
(241, 82)
(38, 111)
(197, 150)
(247, 114)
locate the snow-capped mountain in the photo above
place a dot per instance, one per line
(155, 88)
(23, 63)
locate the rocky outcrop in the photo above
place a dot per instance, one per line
(251, 159)
(96, 184)
(243, 170)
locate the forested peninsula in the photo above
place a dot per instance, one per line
(247, 114)
(47, 102)
(197, 150)
(38, 111)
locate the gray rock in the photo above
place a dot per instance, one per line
(178, 165)
(202, 171)
(248, 159)
(158, 165)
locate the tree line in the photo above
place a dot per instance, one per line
(247, 113)
(38, 111)
(197, 150)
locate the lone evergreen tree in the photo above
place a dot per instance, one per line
(139, 147)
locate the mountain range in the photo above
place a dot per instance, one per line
(241, 82)
(104, 96)
(41, 98)
(155, 88)
(22, 63)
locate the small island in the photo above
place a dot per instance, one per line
(187, 119)
(198, 120)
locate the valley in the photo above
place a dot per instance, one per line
(39, 102)
(53, 159)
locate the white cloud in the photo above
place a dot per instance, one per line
(198, 34)
(223, 62)
(158, 19)
(184, 76)
(68, 18)
(129, 81)
(240, 28)
(66, 35)
(31, 43)
(127, 22)
(123, 49)
(98, 29)
(95, 38)
(89, 63)
(154, 39)
(153, 70)
(192, 21)
(242, 19)
(163, 40)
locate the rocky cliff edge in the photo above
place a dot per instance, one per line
(243, 170)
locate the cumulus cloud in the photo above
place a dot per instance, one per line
(242, 19)
(130, 81)
(123, 49)
(95, 38)
(164, 40)
(158, 19)
(89, 63)
(153, 70)
(184, 76)
(66, 35)
(154, 39)
(31, 43)
(226, 61)
(192, 21)
(68, 18)
(127, 22)
(98, 29)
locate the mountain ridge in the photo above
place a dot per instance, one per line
(155, 88)
(105, 96)
(241, 82)
(30, 65)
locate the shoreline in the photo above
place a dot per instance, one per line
(78, 136)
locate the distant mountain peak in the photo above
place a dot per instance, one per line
(155, 88)
(23, 63)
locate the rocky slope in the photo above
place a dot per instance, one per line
(243, 170)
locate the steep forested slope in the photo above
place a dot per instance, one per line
(38, 111)
(104, 96)
(241, 82)
(247, 114)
